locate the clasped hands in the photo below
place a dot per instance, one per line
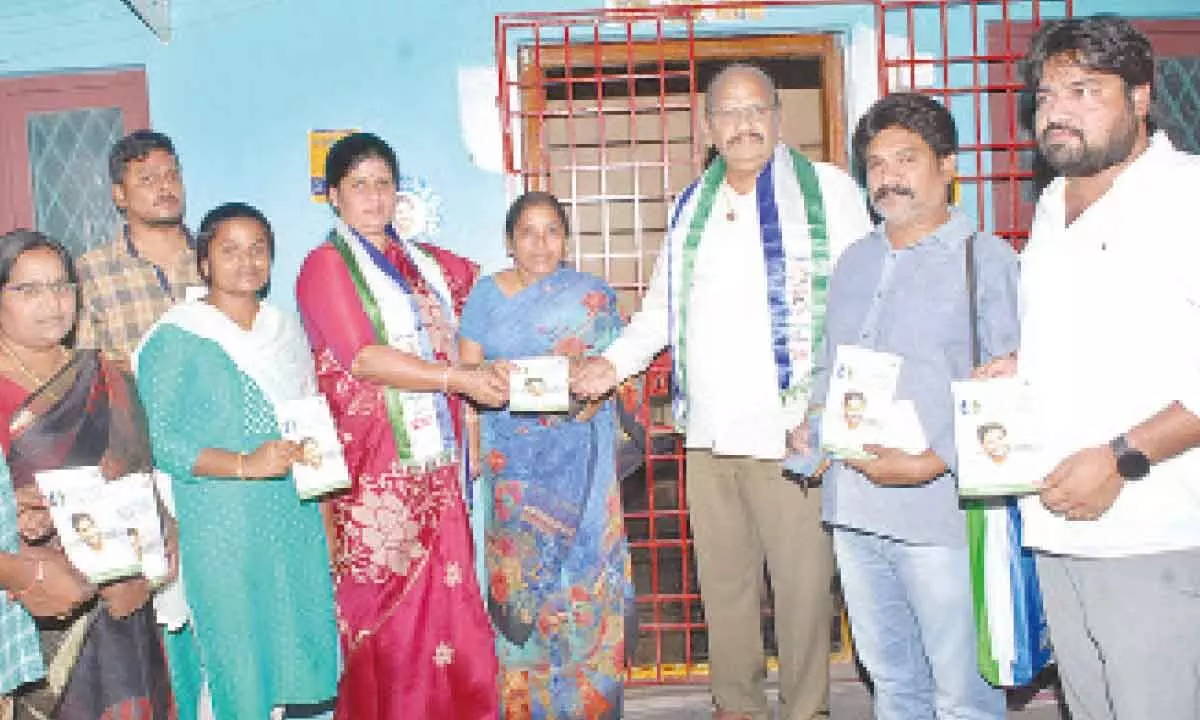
(487, 383)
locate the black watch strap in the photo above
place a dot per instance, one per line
(1132, 464)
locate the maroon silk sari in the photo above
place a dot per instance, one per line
(87, 414)
(416, 639)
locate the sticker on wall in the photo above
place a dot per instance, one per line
(418, 209)
(319, 142)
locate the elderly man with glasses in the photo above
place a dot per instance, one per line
(738, 294)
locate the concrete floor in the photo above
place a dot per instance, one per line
(849, 700)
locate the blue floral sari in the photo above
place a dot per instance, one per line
(557, 565)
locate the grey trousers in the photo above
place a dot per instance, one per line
(744, 512)
(1126, 634)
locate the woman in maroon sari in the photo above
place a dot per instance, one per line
(61, 408)
(381, 315)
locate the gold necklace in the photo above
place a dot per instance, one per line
(29, 374)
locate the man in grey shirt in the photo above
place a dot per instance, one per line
(899, 534)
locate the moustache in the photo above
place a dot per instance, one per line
(1059, 126)
(166, 200)
(886, 190)
(749, 135)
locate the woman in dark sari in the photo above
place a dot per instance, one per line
(558, 573)
(61, 408)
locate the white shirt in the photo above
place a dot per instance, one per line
(733, 383)
(1110, 335)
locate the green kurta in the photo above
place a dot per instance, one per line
(254, 557)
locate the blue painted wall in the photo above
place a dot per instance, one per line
(242, 81)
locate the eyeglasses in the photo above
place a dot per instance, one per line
(734, 114)
(35, 290)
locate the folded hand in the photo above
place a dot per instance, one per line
(124, 597)
(60, 589)
(593, 377)
(892, 467)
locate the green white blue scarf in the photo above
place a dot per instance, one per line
(795, 242)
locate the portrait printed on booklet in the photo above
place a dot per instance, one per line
(539, 385)
(858, 406)
(997, 435)
(323, 469)
(108, 529)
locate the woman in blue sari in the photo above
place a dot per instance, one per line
(558, 573)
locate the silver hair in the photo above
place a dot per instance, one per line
(737, 68)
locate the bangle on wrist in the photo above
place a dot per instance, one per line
(39, 575)
(241, 467)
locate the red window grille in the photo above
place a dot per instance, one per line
(602, 108)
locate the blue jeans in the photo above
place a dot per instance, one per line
(914, 630)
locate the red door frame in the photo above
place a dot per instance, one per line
(21, 96)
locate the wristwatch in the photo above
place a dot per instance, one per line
(1132, 464)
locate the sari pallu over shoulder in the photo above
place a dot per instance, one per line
(97, 666)
(414, 634)
(557, 564)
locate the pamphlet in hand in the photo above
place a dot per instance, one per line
(89, 522)
(862, 387)
(323, 470)
(137, 506)
(539, 385)
(996, 433)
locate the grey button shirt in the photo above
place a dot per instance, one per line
(913, 303)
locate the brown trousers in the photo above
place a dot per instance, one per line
(744, 513)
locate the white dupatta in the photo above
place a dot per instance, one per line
(274, 353)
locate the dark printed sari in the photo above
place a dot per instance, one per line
(98, 667)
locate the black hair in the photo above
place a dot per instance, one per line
(352, 149)
(534, 198)
(213, 221)
(20, 241)
(914, 112)
(137, 145)
(986, 428)
(1101, 43)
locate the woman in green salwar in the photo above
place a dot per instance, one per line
(214, 374)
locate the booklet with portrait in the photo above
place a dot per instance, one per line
(93, 521)
(997, 437)
(539, 385)
(860, 404)
(323, 469)
(137, 507)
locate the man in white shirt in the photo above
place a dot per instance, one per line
(738, 294)
(1110, 341)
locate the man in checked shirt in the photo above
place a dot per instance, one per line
(127, 284)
